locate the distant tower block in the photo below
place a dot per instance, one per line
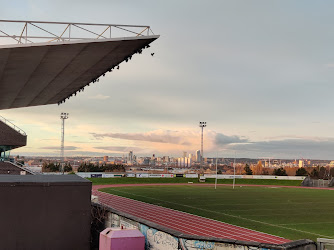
(105, 158)
(131, 157)
(198, 155)
(301, 163)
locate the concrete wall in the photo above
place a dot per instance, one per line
(45, 212)
(160, 238)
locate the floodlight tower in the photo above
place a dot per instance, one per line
(63, 117)
(202, 125)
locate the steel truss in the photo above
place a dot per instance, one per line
(45, 31)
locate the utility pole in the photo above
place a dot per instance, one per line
(63, 117)
(202, 125)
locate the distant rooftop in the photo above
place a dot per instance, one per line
(39, 179)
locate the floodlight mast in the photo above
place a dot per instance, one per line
(202, 125)
(63, 117)
(234, 170)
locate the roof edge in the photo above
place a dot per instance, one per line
(25, 45)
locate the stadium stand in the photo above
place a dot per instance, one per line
(11, 137)
(13, 169)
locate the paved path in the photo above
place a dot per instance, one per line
(181, 221)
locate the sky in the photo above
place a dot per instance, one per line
(260, 73)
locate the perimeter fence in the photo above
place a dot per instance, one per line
(308, 182)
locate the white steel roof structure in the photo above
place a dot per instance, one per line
(45, 68)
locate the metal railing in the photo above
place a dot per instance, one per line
(21, 166)
(13, 126)
(30, 31)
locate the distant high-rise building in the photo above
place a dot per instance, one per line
(301, 163)
(130, 156)
(180, 162)
(166, 158)
(198, 155)
(105, 158)
(193, 158)
(189, 162)
(184, 154)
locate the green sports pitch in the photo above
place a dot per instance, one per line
(292, 213)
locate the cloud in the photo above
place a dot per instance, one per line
(158, 136)
(99, 97)
(58, 148)
(329, 65)
(69, 153)
(316, 148)
(119, 148)
(221, 139)
(87, 142)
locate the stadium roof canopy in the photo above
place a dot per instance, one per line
(36, 72)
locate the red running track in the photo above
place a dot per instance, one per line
(180, 221)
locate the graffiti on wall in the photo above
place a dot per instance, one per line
(126, 223)
(114, 220)
(158, 240)
(196, 244)
(207, 245)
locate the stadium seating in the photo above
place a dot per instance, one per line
(12, 169)
(11, 137)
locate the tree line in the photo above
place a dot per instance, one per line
(314, 172)
(56, 167)
(89, 167)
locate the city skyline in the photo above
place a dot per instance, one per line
(260, 74)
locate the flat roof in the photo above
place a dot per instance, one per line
(42, 179)
(36, 74)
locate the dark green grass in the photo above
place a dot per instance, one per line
(128, 180)
(287, 212)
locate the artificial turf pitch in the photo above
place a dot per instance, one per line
(292, 213)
